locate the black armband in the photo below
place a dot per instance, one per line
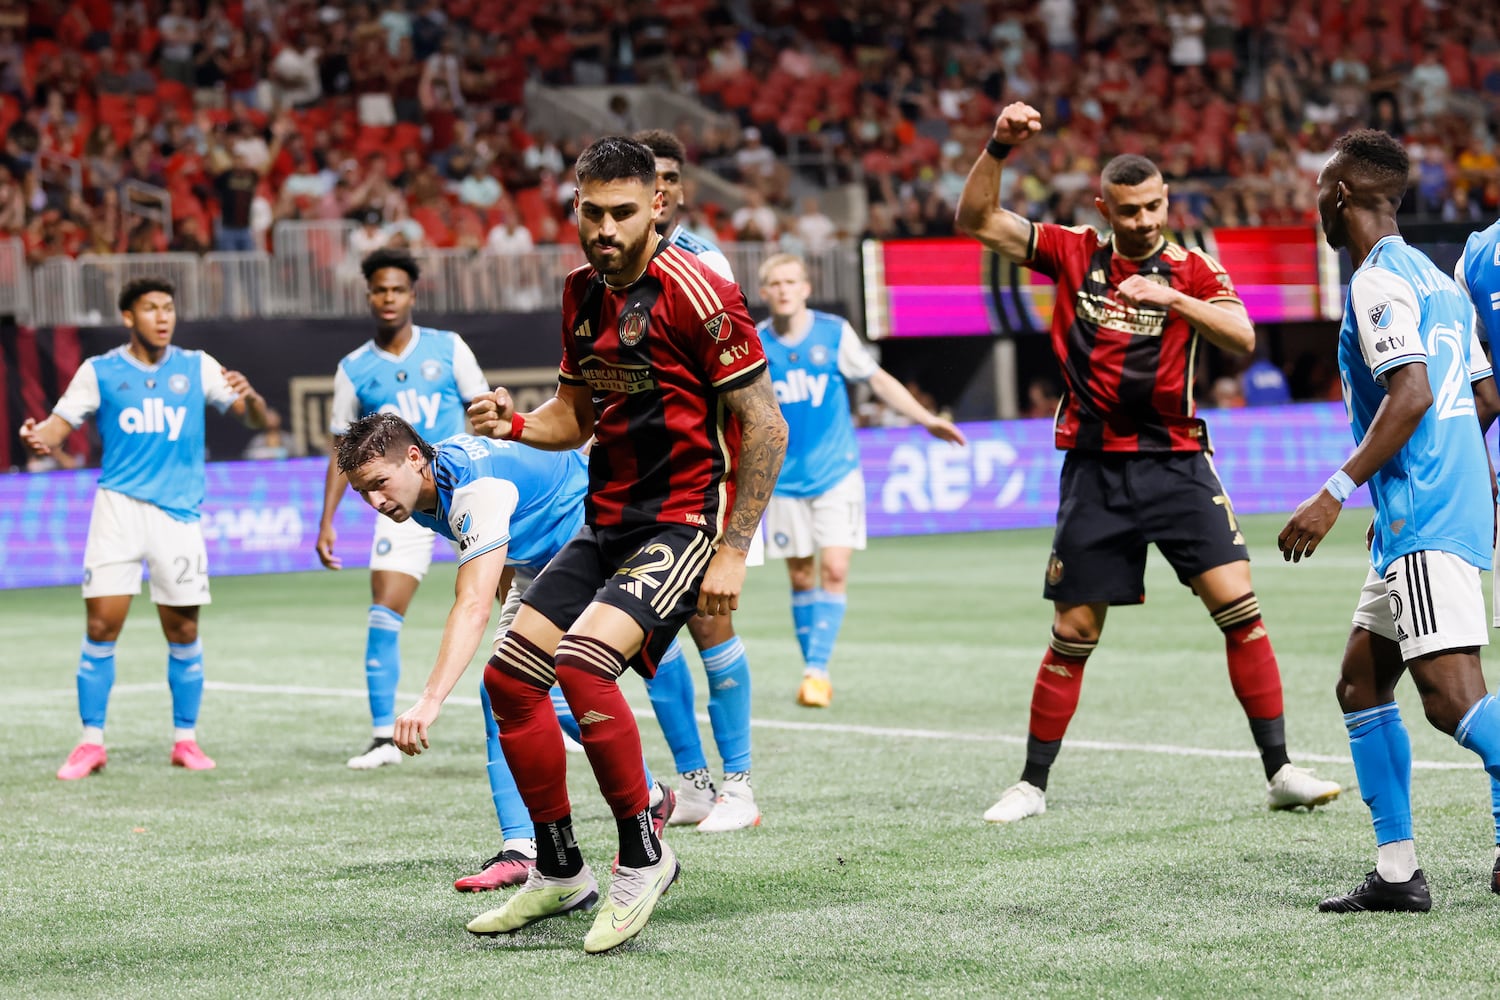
(997, 149)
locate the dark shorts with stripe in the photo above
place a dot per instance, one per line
(651, 573)
(1113, 507)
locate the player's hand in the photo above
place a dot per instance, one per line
(1312, 519)
(33, 440)
(720, 592)
(490, 413)
(1017, 123)
(326, 537)
(411, 727)
(1139, 290)
(239, 384)
(946, 430)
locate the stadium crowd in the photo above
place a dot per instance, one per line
(410, 117)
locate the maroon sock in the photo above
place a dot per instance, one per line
(530, 737)
(589, 671)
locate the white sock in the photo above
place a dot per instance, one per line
(1397, 861)
(385, 732)
(656, 795)
(1497, 852)
(522, 845)
(178, 735)
(818, 672)
(95, 735)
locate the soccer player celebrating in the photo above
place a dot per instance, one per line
(816, 518)
(1130, 309)
(1406, 350)
(147, 398)
(428, 376)
(662, 366)
(732, 806)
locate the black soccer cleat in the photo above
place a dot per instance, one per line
(1495, 877)
(1375, 894)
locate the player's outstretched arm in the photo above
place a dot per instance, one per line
(42, 437)
(563, 423)
(979, 211)
(334, 483)
(474, 590)
(762, 448)
(899, 398)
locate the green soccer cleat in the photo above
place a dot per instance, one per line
(632, 896)
(539, 898)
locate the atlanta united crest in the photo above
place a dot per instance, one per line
(632, 328)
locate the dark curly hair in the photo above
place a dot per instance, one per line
(384, 257)
(133, 290)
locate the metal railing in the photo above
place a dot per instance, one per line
(313, 273)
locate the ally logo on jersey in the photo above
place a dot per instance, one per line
(154, 416)
(418, 409)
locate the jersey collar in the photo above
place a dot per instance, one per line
(411, 345)
(137, 362)
(1392, 238)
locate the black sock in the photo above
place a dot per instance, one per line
(557, 853)
(1270, 739)
(1274, 759)
(639, 847)
(1039, 757)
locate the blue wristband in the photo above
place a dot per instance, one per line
(1339, 486)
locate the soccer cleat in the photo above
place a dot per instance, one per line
(695, 799)
(1019, 801)
(1375, 894)
(505, 868)
(85, 759)
(815, 692)
(187, 753)
(381, 751)
(1293, 786)
(735, 809)
(632, 897)
(540, 898)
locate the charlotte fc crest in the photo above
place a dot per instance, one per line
(632, 328)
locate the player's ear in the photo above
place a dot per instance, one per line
(1341, 194)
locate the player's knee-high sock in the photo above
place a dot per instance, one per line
(804, 610)
(672, 698)
(185, 681)
(383, 667)
(828, 618)
(510, 809)
(517, 678)
(1054, 699)
(728, 671)
(96, 676)
(570, 727)
(1479, 731)
(1255, 677)
(1495, 807)
(1381, 748)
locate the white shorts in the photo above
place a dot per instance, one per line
(797, 528)
(402, 547)
(1427, 601)
(123, 531)
(757, 554)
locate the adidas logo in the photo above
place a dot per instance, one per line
(633, 588)
(1058, 669)
(1259, 632)
(591, 716)
(726, 684)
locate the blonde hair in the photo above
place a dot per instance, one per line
(776, 260)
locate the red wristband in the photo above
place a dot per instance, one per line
(517, 424)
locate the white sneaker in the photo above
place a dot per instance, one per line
(734, 809)
(380, 752)
(1293, 786)
(695, 798)
(1019, 801)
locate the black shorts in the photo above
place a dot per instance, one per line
(1112, 506)
(651, 573)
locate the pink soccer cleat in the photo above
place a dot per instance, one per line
(85, 759)
(186, 753)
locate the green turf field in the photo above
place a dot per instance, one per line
(1157, 870)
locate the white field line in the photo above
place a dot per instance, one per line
(1111, 746)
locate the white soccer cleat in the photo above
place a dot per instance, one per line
(695, 799)
(1017, 802)
(1293, 786)
(380, 752)
(735, 809)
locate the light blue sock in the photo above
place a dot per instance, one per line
(1495, 806)
(1381, 748)
(1479, 731)
(96, 676)
(672, 698)
(804, 611)
(383, 663)
(575, 732)
(510, 810)
(728, 671)
(185, 679)
(828, 618)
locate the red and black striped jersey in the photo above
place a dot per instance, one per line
(658, 357)
(1127, 370)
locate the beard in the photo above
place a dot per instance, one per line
(625, 259)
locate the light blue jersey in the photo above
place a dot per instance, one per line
(150, 422)
(1478, 273)
(493, 493)
(1435, 493)
(704, 250)
(810, 374)
(429, 384)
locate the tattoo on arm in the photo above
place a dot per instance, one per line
(762, 448)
